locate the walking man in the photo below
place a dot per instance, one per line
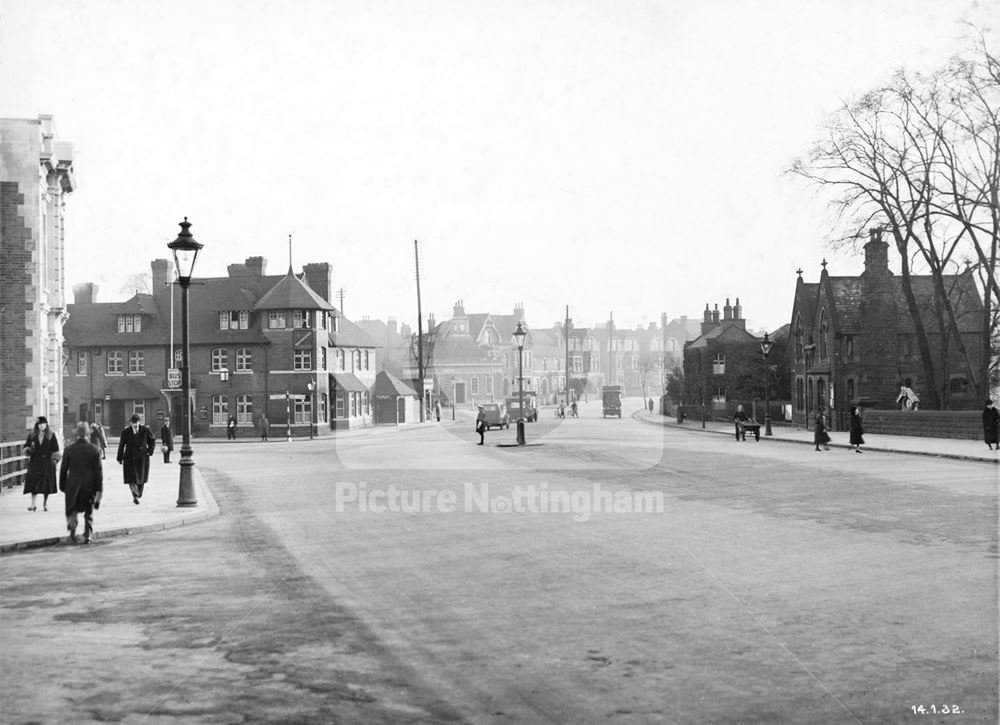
(81, 478)
(265, 425)
(481, 424)
(134, 449)
(166, 440)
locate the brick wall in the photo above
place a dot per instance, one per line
(16, 356)
(964, 424)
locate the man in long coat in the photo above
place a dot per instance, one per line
(81, 478)
(134, 449)
(166, 440)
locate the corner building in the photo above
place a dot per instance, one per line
(260, 345)
(36, 176)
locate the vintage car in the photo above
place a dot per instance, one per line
(496, 416)
(530, 413)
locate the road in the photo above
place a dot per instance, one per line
(776, 585)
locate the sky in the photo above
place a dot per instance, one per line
(622, 157)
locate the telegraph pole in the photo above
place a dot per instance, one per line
(420, 332)
(567, 328)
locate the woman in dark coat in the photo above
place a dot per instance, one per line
(820, 436)
(42, 449)
(991, 425)
(857, 430)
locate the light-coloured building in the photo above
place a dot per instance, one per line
(36, 175)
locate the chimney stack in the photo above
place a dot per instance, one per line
(727, 311)
(458, 310)
(85, 293)
(161, 274)
(876, 254)
(318, 277)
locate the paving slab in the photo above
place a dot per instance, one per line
(117, 516)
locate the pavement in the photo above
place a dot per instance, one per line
(117, 516)
(158, 510)
(966, 450)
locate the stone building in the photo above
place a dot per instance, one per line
(36, 175)
(853, 342)
(260, 344)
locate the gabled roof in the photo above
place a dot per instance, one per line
(349, 334)
(723, 333)
(388, 384)
(291, 293)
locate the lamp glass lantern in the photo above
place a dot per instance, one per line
(185, 249)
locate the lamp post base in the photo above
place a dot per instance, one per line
(186, 495)
(767, 425)
(520, 432)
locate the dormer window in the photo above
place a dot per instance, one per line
(276, 320)
(129, 323)
(234, 319)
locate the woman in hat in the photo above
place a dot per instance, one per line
(42, 450)
(991, 425)
(857, 429)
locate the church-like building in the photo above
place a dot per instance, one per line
(853, 340)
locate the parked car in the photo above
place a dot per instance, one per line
(496, 416)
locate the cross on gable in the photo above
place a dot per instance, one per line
(823, 263)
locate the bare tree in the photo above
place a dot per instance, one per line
(920, 158)
(137, 283)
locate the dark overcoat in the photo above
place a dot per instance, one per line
(820, 436)
(857, 430)
(41, 474)
(166, 437)
(991, 425)
(81, 476)
(134, 450)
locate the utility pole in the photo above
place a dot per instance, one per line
(568, 324)
(420, 332)
(340, 297)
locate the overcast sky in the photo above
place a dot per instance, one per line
(611, 155)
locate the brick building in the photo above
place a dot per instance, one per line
(257, 343)
(852, 338)
(36, 175)
(724, 366)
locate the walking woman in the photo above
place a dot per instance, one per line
(42, 449)
(820, 436)
(991, 425)
(857, 430)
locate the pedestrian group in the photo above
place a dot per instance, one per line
(80, 472)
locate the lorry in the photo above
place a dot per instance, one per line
(611, 398)
(530, 412)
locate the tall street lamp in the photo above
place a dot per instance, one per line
(765, 347)
(312, 406)
(519, 335)
(185, 249)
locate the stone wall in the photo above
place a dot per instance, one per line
(964, 424)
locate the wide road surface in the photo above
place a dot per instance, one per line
(382, 576)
